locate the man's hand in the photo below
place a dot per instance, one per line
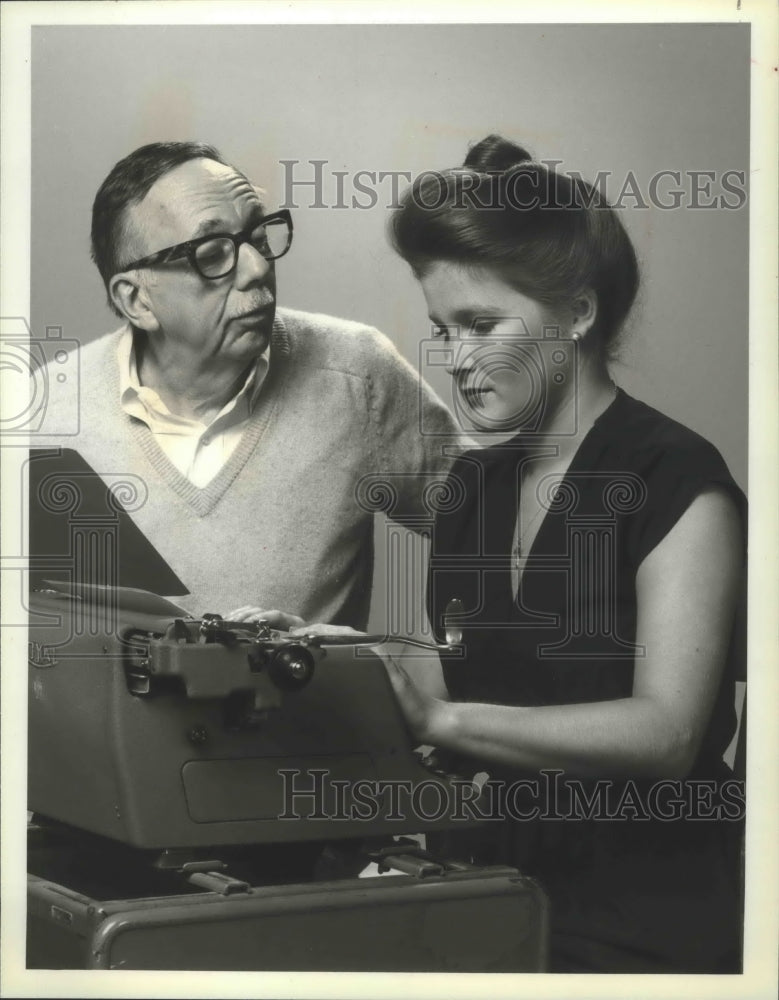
(280, 620)
(322, 629)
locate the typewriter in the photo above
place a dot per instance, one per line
(204, 794)
(162, 731)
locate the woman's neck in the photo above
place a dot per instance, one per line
(568, 415)
(567, 423)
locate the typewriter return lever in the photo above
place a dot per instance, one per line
(452, 633)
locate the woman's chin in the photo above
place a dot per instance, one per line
(485, 424)
(489, 416)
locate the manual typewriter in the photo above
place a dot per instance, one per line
(204, 794)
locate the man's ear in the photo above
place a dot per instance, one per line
(129, 296)
(585, 309)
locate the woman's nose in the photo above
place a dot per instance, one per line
(459, 371)
(463, 360)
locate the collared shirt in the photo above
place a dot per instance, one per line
(197, 450)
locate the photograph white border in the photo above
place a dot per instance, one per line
(762, 875)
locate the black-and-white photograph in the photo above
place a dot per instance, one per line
(385, 529)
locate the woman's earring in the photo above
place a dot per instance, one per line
(576, 336)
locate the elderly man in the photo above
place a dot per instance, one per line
(251, 426)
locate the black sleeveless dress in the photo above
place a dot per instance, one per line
(642, 876)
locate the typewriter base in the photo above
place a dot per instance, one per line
(469, 920)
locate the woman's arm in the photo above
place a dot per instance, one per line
(687, 590)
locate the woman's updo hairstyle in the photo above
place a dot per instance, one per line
(550, 235)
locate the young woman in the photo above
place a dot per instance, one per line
(597, 549)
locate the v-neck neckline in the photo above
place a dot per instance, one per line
(202, 500)
(577, 460)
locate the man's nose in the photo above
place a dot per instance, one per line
(251, 267)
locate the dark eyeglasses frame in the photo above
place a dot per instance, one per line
(181, 250)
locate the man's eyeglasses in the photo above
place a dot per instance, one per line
(215, 256)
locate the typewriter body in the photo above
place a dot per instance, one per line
(163, 731)
(204, 794)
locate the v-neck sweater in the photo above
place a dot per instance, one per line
(285, 523)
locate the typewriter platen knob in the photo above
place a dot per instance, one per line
(291, 667)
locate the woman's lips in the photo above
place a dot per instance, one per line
(475, 394)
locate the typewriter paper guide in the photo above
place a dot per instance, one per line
(67, 497)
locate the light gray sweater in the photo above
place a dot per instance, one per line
(287, 523)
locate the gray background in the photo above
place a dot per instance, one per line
(618, 98)
(621, 98)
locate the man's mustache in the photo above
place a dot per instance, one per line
(258, 305)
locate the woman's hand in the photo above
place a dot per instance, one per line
(424, 714)
(687, 589)
(422, 711)
(280, 620)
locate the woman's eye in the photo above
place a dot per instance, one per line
(481, 327)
